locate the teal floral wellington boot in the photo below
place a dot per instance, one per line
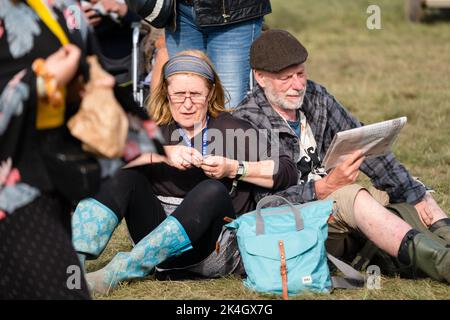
(166, 240)
(92, 226)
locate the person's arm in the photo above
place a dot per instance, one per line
(162, 56)
(145, 159)
(385, 172)
(263, 173)
(264, 168)
(312, 190)
(259, 173)
(19, 94)
(180, 157)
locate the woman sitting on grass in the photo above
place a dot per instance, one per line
(189, 106)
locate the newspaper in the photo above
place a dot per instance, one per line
(373, 140)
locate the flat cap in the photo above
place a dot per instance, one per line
(276, 50)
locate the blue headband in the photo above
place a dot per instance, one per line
(188, 64)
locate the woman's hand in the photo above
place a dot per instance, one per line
(63, 64)
(182, 157)
(218, 167)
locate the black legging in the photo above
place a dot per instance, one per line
(129, 195)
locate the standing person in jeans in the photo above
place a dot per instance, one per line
(224, 30)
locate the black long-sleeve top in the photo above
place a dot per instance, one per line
(169, 181)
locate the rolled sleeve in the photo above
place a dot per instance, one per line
(387, 174)
(286, 174)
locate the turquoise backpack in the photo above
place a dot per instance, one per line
(283, 248)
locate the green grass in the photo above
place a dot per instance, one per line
(402, 69)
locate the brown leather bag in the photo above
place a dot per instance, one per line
(100, 124)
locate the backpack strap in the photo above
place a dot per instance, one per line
(283, 270)
(364, 256)
(352, 279)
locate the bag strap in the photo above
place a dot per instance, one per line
(260, 221)
(47, 17)
(352, 280)
(283, 269)
(364, 256)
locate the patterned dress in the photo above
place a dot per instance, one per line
(36, 256)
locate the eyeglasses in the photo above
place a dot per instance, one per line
(180, 97)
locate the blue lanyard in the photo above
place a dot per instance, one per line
(204, 137)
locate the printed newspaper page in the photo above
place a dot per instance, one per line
(374, 140)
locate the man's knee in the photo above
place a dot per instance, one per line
(345, 198)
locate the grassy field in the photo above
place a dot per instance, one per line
(401, 70)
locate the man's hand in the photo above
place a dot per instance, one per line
(429, 211)
(344, 174)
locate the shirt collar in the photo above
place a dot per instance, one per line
(277, 121)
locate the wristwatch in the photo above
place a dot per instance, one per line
(240, 171)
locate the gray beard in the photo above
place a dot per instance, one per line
(282, 104)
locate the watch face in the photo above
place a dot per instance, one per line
(240, 169)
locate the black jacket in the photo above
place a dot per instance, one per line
(223, 12)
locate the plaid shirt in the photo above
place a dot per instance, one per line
(326, 117)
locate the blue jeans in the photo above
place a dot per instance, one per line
(228, 47)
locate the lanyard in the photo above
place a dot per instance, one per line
(47, 17)
(204, 137)
(47, 115)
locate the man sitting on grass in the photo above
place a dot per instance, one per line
(306, 118)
